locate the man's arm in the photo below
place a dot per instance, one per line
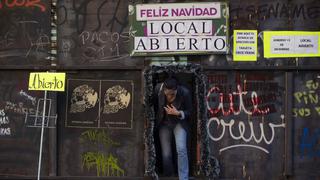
(155, 97)
(186, 112)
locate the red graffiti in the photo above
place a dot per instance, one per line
(241, 106)
(22, 3)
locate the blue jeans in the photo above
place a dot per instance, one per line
(180, 135)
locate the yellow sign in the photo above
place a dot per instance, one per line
(47, 81)
(282, 44)
(245, 45)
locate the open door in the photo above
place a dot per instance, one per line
(192, 77)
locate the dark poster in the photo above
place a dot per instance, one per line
(19, 133)
(117, 111)
(99, 103)
(246, 123)
(306, 113)
(25, 32)
(83, 103)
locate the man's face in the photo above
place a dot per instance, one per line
(170, 94)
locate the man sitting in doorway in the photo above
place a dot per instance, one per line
(173, 109)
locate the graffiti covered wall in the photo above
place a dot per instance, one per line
(247, 117)
(262, 115)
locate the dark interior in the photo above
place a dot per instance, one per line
(187, 80)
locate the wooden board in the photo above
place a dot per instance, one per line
(25, 33)
(249, 142)
(306, 112)
(94, 33)
(115, 138)
(19, 141)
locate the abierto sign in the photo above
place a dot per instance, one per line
(47, 81)
(178, 28)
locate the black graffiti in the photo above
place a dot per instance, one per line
(81, 13)
(277, 10)
(114, 19)
(63, 15)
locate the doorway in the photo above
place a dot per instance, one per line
(193, 78)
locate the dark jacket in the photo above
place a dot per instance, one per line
(182, 102)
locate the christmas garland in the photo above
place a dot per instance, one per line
(209, 165)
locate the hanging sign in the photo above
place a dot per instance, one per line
(282, 44)
(46, 81)
(245, 45)
(178, 28)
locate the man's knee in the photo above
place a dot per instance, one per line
(182, 150)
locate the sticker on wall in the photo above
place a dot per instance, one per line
(245, 45)
(99, 103)
(178, 28)
(282, 44)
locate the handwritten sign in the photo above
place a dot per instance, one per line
(283, 44)
(178, 28)
(47, 81)
(245, 45)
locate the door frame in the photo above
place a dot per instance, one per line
(207, 165)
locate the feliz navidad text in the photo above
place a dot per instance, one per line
(169, 27)
(147, 12)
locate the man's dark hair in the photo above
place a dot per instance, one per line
(171, 83)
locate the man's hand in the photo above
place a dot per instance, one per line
(170, 109)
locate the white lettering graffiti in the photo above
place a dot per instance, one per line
(18, 108)
(5, 131)
(4, 120)
(240, 135)
(33, 99)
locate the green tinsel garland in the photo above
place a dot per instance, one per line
(209, 164)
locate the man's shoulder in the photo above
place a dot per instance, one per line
(184, 90)
(158, 87)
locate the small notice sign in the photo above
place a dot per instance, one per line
(45, 81)
(245, 45)
(281, 44)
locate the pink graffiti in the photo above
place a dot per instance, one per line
(22, 3)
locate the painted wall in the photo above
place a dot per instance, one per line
(262, 116)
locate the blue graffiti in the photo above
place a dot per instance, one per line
(309, 145)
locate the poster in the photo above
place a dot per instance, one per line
(99, 104)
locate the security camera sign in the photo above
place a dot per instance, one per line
(178, 28)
